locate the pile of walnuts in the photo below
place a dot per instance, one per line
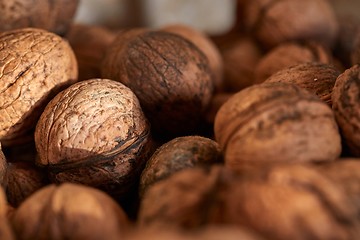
(170, 133)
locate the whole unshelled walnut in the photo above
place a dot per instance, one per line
(277, 21)
(36, 64)
(69, 211)
(54, 16)
(94, 133)
(272, 122)
(169, 74)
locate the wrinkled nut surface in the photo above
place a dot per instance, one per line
(177, 154)
(346, 106)
(69, 211)
(35, 64)
(318, 78)
(54, 16)
(277, 21)
(276, 122)
(169, 74)
(94, 133)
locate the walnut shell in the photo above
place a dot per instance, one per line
(177, 154)
(169, 74)
(69, 211)
(318, 78)
(346, 107)
(276, 122)
(5, 229)
(94, 133)
(35, 65)
(355, 54)
(54, 16)
(3, 167)
(275, 22)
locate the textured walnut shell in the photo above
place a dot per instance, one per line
(94, 133)
(206, 45)
(276, 122)
(169, 74)
(298, 200)
(318, 78)
(177, 154)
(346, 107)
(287, 55)
(35, 65)
(278, 21)
(54, 16)
(69, 211)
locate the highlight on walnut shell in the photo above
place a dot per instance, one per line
(36, 64)
(94, 133)
(346, 107)
(69, 211)
(178, 154)
(169, 74)
(272, 122)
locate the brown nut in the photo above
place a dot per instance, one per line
(272, 122)
(178, 154)
(35, 64)
(3, 167)
(346, 107)
(318, 78)
(277, 21)
(5, 229)
(69, 211)
(170, 76)
(54, 16)
(94, 133)
(355, 54)
(206, 45)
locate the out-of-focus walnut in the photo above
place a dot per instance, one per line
(346, 106)
(206, 45)
(178, 154)
(51, 15)
(318, 78)
(355, 55)
(5, 229)
(216, 102)
(69, 211)
(287, 55)
(35, 65)
(276, 122)
(277, 21)
(94, 133)
(169, 74)
(3, 167)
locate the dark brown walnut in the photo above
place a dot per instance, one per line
(318, 78)
(22, 180)
(94, 133)
(355, 55)
(6, 231)
(89, 43)
(169, 74)
(272, 122)
(52, 15)
(284, 201)
(216, 102)
(240, 61)
(69, 211)
(276, 21)
(206, 45)
(178, 154)
(290, 54)
(346, 104)
(35, 65)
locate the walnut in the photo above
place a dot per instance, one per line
(5, 229)
(170, 76)
(287, 55)
(273, 200)
(216, 102)
(206, 45)
(69, 211)
(54, 16)
(355, 54)
(178, 154)
(35, 65)
(3, 166)
(276, 122)
(318, 78)
(346, 107)
(94, 133)
(278, 21)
